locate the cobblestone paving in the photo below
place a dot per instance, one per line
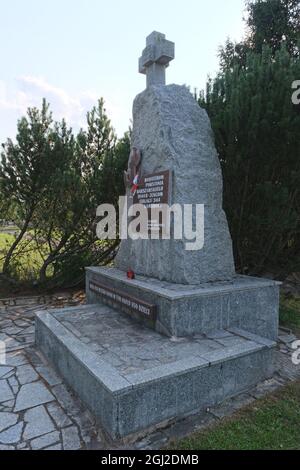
(37, 411)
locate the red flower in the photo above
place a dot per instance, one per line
(130, 274)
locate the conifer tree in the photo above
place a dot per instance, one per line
(257, 128)
(25, 169)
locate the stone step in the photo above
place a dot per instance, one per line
(133, 378)
(184, 310)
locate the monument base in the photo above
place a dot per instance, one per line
(133, 378)
(180, 310)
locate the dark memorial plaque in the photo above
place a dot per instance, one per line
(153, 191)
(125, 301)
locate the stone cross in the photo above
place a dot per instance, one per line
(155, 58)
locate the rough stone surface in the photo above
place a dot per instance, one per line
(33, 427)
(26, 374)
(71, 440)
(5, 370)
(58, 415)
(49, 375)
(37, 423)
(5, 391)
(175, 134)
(7, 420)
(31, 395)
(12, 435)
(45, 441)
(16, 358)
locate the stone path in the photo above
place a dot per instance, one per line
(37, 411)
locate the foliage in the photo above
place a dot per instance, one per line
(272, 23)
(290, 313)
(269, 424)
(24, 171)
(256, 128)
(55, 181)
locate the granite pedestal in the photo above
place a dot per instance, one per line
(245, 302)
(133, 378)
(204, 344)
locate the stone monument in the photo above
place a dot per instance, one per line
(173, 133)
(187, 331)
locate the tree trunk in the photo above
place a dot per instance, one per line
(6, 264)
(52, 256)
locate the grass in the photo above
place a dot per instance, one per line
(26, 268)
(9, 228)
(290, 314)
(29, 260)
(5, 242)
(25, 264)
(269, 424)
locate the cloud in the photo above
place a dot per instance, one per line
(28, 91)
(14, 102)
(32, 90)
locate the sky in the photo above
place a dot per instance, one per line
(73, 52)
